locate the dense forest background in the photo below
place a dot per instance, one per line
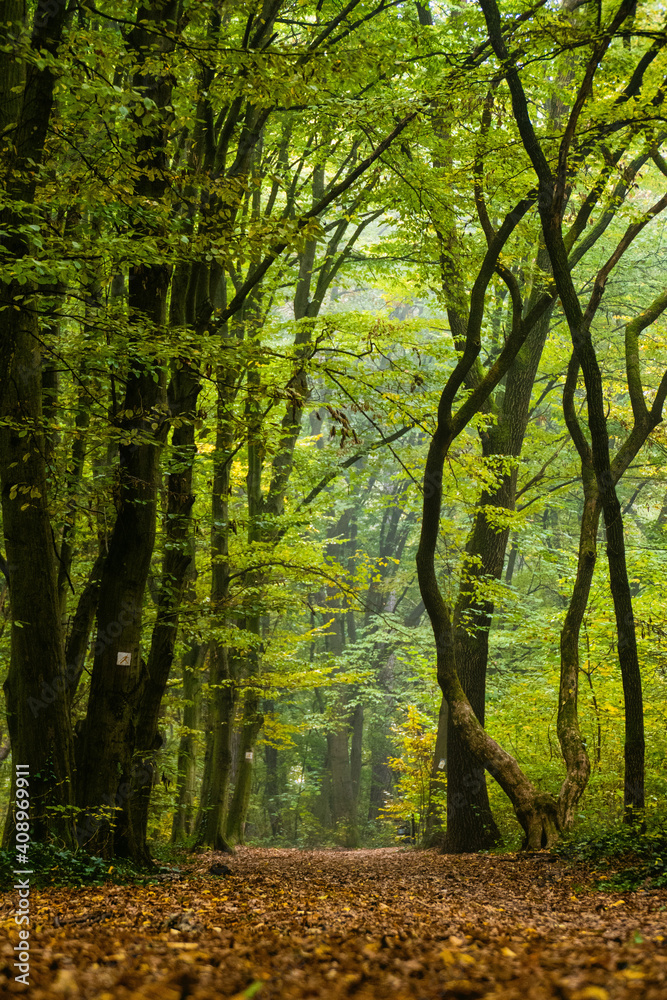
(332, 350)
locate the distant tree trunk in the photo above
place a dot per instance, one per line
(272, 787)
(343, 806)
(343, 811)
(251, 724)
(382, 780)
(355, 752)
(186, 782)
(223, 668)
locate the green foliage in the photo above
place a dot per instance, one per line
(55, 866)
(636, 856)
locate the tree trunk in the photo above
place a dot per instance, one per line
(185, 386)
(355, 752)
(343, 812)
(434, 834)
(183, 821)
(272, 787)
(569, 735)
(108, 774)
(470, 823)
(223, 669)
(251, 724)
(36, 685)
(553, 191)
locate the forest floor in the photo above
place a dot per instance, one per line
(371, 924)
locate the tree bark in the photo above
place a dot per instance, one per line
(223, 669)
(470, 823)
(553, 193)
(185, 386)
(183, 821)
(36, 684)
(108, 774)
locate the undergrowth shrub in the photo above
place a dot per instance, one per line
(639, 857)
(51, 865)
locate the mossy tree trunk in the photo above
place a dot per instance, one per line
(36, 692)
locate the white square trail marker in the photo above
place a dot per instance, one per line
(248, 755)
(123, 659)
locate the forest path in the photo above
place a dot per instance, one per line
(369, 924)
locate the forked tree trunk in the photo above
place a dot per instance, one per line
(553, 191)
(178, 556)
(108, 774)
(470, 823)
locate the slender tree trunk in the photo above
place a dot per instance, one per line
(183, 821)
(355, 753)
(185, 386)
(272, 787)
(223, 668)
(434, 834)
(251, 723)
(569, 735)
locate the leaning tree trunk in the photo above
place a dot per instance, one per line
(470, 823)
(535, 810)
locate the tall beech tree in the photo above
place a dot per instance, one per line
(190, 180)
(36, 685)
(554, 180)
(540, 815)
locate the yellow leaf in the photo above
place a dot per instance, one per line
(632, 973)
